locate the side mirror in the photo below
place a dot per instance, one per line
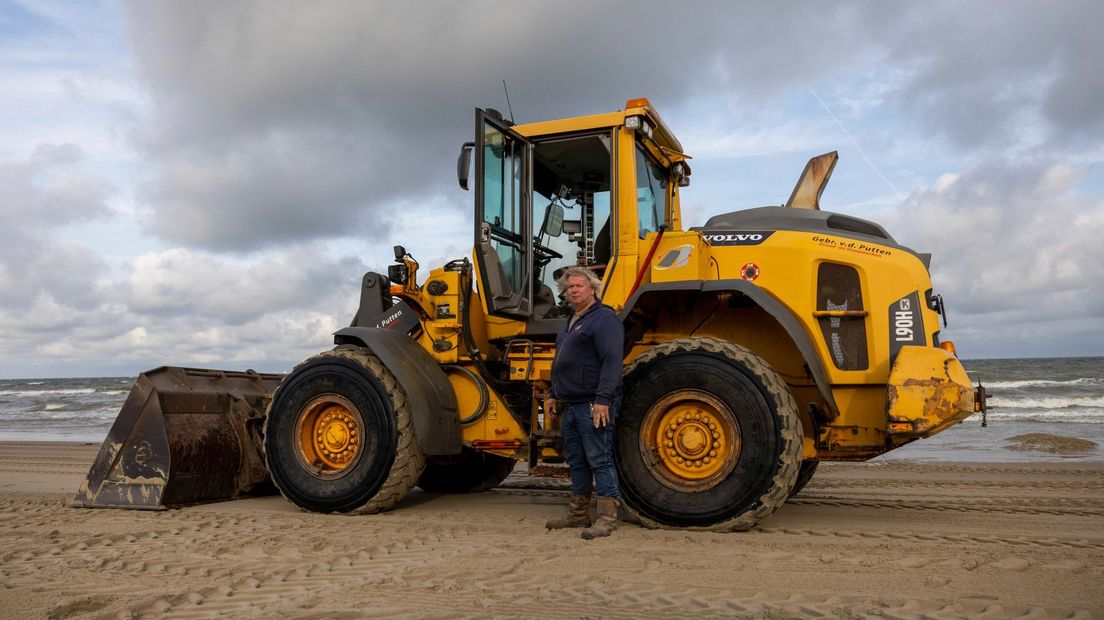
(400, 253)
(553, 220)
(463, 164)
(682, 173)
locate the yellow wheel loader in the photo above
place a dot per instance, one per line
(756, 345)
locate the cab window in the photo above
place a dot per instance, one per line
(503, 162)
(575, 173)
(651, 192)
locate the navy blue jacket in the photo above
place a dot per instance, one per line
(587, 366)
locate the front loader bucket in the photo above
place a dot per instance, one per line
(183, 436)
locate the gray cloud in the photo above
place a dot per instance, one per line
(40, 194)
(287, 121)
(218, 292)
(184, 308)
(1073, 98)
(1017, 251)
(984, 74)
(61, 305)
(280, 121)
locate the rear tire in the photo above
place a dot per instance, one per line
(471, 471)
(804, 475)
(708, 437)
(339, 435)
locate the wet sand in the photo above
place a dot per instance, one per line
(888, 539)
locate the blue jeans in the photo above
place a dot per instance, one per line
(589, 451)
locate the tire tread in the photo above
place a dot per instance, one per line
(790, 431)
(409, 459)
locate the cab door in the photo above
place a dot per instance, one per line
(503, 217)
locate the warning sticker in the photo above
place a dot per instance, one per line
(749, 272)
(676, 257)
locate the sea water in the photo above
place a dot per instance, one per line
(1056, 396)
(60, 409)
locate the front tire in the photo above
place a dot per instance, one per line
(708, 438)
(339, 435)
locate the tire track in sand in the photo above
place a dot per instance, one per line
(945, 506)
(951, 539)
(266, 592)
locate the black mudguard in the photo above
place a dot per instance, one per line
(767, 302)
(431, 397)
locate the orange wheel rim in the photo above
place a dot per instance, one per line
(690, 440)
(330, 431)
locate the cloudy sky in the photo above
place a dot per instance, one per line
(204, 183)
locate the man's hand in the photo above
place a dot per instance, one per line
(551, 407)
(601, 415)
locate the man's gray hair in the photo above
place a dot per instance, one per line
(582, 272)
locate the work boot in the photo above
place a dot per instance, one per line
(607, 518)
(578, 514)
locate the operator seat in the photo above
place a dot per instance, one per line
(603, 247)
(602, 250)
(544, 300)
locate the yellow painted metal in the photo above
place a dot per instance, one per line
(928, 390)
(787, 263)
(531, 361)
(571, 125)
(629, 248)
(690, 439)
(496, 422)
(850, 443)
(468, 395)
(441, 336)
(695, 266)
(785, 266)
(661, 132)
(329, 429)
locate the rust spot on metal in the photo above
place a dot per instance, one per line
(931, 381)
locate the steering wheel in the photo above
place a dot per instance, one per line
(542, 254)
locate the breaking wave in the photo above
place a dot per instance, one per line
(47, 392)
(1051, 402)
(1044, 383)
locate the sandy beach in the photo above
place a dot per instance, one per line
(888, 539)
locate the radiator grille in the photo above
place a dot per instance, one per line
(838, 289)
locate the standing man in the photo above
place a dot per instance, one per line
(586, 389)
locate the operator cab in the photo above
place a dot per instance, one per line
(548, 201)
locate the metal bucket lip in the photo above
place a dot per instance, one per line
(173, 417)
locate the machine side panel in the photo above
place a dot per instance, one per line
(769, 304)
